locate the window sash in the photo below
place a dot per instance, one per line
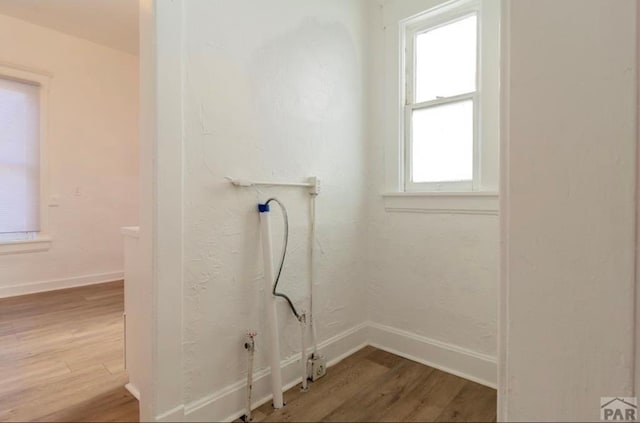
(443, 100)
(20, 146)
(430, 21)
(470, 185)
(38, 171)
(21, 214)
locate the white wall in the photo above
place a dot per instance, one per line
(432, 276)
(569, 207)
(281, 91)
(151, 318)
(636, 389)
(272, 91)
(93, 156)
(278, 102)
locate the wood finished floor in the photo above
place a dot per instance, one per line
(61, 356)
(61, 359)
(376, 386)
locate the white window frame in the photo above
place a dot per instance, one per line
(442, 15)
(40, 241)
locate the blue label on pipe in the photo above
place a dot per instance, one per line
(263, 208)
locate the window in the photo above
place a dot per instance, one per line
(19, 158)
(441, 99)
(22, 222)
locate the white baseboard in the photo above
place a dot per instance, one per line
(132, 390)
(228, 403)
(54, 285)
(449, 358)
(174, 415)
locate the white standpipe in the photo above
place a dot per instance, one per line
(303, 352)
(312, 242)
(270, 306)
(250, 346)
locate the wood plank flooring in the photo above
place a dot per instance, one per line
(376, 386)
(61, 359)
(61, 356)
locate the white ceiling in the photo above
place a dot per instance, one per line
(113, 23)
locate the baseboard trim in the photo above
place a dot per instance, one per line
(132, 390)
(449, 358)
(56, 284)
(176, 414)
(228, 404)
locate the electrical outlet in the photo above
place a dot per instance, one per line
(316, 367)
(54, 201)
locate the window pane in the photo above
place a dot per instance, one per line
(443, 143)
(19, 157)
(446, 60)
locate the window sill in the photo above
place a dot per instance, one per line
(40, 243)
(482, 203)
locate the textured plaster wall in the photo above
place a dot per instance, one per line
(435, 275)
(570, 207)
(92, 151)
(286, 89)
(273, 90)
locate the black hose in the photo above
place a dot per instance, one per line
(284, 253)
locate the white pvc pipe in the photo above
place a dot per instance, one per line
(303, 353)
(251, 348)
(282, 184)
(270, 308)
(312, 242)
(249, 183)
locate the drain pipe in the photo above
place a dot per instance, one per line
(270, 302)
(250, 346)
(303, 351)
(312, 242)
